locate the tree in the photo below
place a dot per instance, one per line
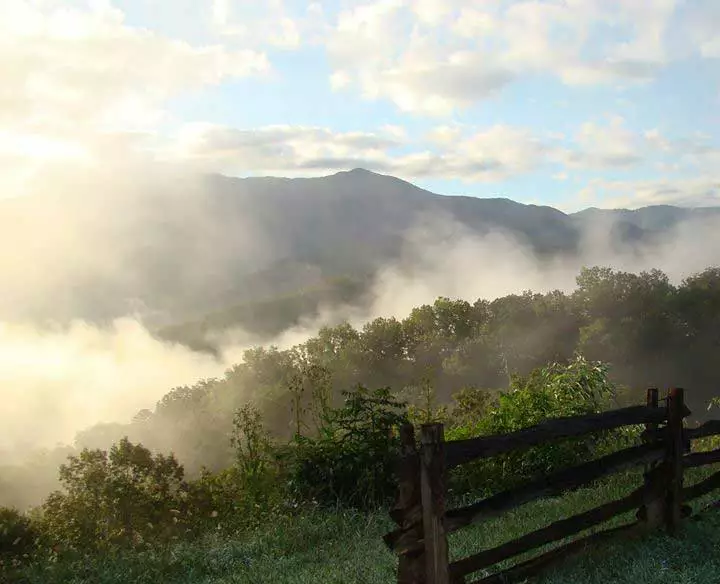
(352, 459)
(118, 497)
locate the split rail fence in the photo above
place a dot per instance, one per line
(424, 523)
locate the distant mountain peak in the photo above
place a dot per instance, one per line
(358, 172)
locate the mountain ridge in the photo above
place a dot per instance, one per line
(180, 249)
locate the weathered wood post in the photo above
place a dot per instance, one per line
(651, 512)
(432, 486)
(408, 509)
(674, 459)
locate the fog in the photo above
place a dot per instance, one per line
(62, 375)
(444, 258)
(100, 244)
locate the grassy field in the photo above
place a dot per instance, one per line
(346, 547)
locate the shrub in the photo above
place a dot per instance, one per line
(472, 404)
(557, 390)
(17, 539)
(352, 459)
(122, 497)
(244, 495)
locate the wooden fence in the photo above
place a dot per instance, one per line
(424, 524)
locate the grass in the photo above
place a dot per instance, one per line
(342, 547)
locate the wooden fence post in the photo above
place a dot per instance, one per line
(651, 512)
(432, 486)
(408, 509)
(674, 462)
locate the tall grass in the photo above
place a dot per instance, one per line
(344, 547)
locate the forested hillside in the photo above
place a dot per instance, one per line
(649, 331)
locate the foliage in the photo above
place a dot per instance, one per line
(123, 496)
(650, 332)
(556, 390)
(471, 405)
(17, 540)
(241, 496)
(225, 502)
(251, 442)
(426, 410)
(351, 460)
(635, 330)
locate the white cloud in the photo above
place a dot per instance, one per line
(711, 48)
(474, 155)
(396, 131)
(697, 191)
(433, 57)
(280, 149)
(444, 135)
(79, 83)
(486, 155)
(472, 22)
(339, 79)
(699, 24)
(275, 23)
(61, 68)
(609, 146)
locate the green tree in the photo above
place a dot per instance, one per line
(122, 496)
(251, 441)
(17, 540)
(352, 459)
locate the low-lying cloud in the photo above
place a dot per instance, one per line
(445, 258)
(58, 381)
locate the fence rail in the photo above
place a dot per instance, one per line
(464, 451)
(424, 523)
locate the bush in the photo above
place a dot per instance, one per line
(17, 539)
(557, 390)
(242, 496)
(352, 459)
(223, 502)
(472, 404)
(122, 497)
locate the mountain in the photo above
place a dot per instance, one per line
(176, 250)
(656, 218)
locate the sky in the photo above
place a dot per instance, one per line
(572, 103)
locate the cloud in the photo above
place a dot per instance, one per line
(276, 23)
(58, 381)
(282, 148)
(79, 85)
(486, 155)
(444, 258)
(65, 69)
(696, 191)
(611, 146)
(432, 87)
(470, 154)
(434, 58)
(447, 151)
(154, 236)
(699, 23)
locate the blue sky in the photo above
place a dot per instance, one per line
(571, 103)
